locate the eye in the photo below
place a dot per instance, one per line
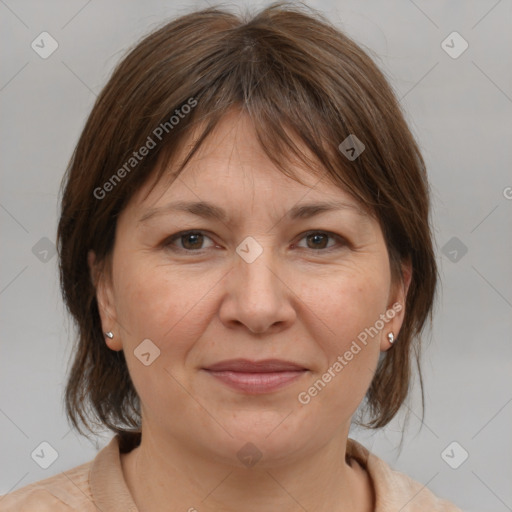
(191, 241)
(317, 240)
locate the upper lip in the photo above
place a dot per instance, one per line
(248, 366)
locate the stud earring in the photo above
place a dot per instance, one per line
(391, 338)
(109, 334)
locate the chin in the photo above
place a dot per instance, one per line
(267, 439)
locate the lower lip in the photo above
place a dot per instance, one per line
(256, 383)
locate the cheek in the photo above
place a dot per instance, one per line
(156, 303)
(346, 303)
(160, 303)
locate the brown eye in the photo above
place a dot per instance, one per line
(317, 240)
(191, 241)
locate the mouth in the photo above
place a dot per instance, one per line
(256, 377)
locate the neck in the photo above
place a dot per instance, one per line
(161, 473)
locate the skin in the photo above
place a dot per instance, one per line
(204, 304)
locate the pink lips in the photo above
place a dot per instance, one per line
(255, 377)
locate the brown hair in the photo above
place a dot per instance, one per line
(292, 72)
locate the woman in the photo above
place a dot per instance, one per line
(245, 247)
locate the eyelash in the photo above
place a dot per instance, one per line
(168, 242)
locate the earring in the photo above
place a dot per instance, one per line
(391, 338)
(109, 334)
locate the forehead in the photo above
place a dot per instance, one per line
(232, 169)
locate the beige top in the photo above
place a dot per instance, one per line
(100, 485)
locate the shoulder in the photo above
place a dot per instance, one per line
(90, 487)
(63, 492)
(395, 490)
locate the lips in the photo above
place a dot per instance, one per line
(247, 366)
(256, 377)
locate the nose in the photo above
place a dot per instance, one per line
(257, 295)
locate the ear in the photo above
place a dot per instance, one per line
(101, 277)
(396, 305)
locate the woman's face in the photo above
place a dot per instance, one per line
(312, 289)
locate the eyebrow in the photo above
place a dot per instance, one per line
(207, 210)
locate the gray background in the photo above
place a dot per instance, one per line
(460, 110)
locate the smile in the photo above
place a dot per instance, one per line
(256, 377)
(256, 383)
